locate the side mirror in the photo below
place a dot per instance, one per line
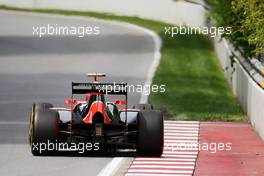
(70, 101)
(120, 102)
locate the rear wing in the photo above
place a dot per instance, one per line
(100, 88)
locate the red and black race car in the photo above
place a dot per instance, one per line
(95, 123)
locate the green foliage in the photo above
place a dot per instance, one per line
(246, 17)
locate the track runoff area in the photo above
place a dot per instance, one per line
(224, 148)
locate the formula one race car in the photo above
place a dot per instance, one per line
(94, 125)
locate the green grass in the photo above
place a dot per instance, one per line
(195, 85)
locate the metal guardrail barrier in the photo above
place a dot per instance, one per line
(253, 67)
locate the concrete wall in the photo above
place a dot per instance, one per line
(248, 92)
(175, 12)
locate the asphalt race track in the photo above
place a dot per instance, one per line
(34, 69)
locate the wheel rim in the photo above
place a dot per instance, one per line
(31, 125)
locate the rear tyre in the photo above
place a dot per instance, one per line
(143, 106)
(43, 127)
(150, 133)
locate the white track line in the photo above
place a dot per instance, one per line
(181, 125)
(164, 162)
(180, 152)
(154, 65)
(111, 167)
(182, 128)
(179, 156)
(184, 122)
(180, 141)
(141, 166)
(181, 131)
(153, 174)
(180, 134)
(181, 137)
(165, 159)
(160, 171)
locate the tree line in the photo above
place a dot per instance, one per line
(246, 17)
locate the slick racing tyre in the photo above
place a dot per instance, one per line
(143, 106)
(43, 126)
(150, 133)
